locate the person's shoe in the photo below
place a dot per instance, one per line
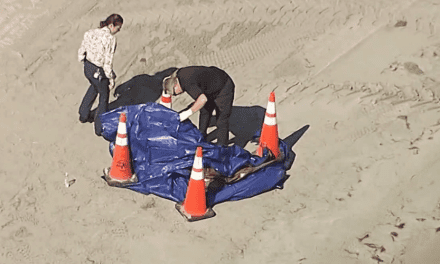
(88, 119)
(82, 120)
(98, 128)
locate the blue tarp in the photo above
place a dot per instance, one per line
(162, 150)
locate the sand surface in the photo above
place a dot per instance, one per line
(361, 78)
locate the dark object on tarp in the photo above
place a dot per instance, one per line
(163, 148)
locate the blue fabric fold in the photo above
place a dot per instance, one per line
(162, 150)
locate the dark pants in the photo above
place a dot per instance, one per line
(97, 86)
(222, 104)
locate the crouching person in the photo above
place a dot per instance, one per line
(212, 89)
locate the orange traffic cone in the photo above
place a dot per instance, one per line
(194, 206)
(269, 132)
(165, 100)
(120, 172)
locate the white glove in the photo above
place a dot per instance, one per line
(185, 114)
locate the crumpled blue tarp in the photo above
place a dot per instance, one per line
(162, 151)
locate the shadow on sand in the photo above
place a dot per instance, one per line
(245, 121)
(140, 89)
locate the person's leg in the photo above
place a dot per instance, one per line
(223, 111)
(103, 91)
(86, 104)
(90, 96)
(205, 117)
(223, 127)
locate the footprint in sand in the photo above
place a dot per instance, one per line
(409, 66)
(412, 67)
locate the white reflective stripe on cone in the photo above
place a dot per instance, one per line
(121, 141)
(198, 163)
(198, 176)
(270, 108)
(270, 121)
(122, 128)
(197, 170)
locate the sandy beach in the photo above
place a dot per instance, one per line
(361, 76)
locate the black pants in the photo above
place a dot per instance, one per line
(222, 104)
(99, 86)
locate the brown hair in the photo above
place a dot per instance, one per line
(113, 19)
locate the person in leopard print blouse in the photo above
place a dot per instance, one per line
(96, 52)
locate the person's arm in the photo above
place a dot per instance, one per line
(82, 50)
(198, 104)
(108, 62)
